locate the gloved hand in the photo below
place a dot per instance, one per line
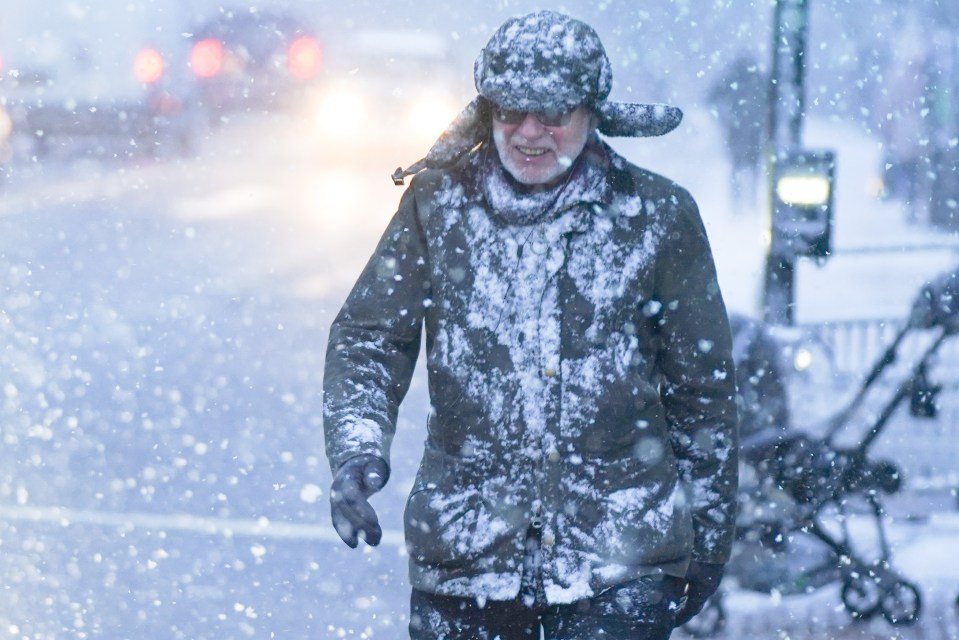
(355, 481)
(702, 580)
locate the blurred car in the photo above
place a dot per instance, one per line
(252, 61)
(384, 84)
(73, 84)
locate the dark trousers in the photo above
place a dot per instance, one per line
(637, 610)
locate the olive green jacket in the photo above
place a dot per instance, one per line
(580, 375)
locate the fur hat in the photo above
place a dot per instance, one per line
(543, 61)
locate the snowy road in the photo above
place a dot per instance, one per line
(162, 472)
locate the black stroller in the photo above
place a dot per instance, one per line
(799, 493)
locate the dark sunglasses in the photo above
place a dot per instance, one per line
(548, 118)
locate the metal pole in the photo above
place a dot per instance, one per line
(788, 75)
(786, 113)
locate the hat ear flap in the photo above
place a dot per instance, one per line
(468, 129)
(623, 119)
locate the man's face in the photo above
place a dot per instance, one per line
(536, 153)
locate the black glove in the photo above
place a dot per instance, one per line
(702, 580)
(354, 482)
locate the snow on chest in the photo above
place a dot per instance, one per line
(514, 292)
(602, 264)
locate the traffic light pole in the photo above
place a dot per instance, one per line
(786, 112)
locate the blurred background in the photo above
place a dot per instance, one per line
(157, 73)
(189, 188)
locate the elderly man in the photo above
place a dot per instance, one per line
(579, 473)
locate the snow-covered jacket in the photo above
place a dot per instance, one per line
(580, 376)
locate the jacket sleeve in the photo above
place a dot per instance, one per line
(698, 386)
(374, 342)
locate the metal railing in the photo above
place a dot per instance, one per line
(844, 353)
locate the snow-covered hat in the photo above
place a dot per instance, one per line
(543, 61)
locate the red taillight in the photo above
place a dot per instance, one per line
(304, 57)
(206, 58)
(148, 65)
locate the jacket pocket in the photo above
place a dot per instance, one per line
(440, 529)
(448, 521)
(641, 515)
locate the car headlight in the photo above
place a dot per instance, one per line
(6, 125)
(341, 111)
(430, 115)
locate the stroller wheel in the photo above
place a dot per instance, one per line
(901, 603)
(861, 595)
(708, 622)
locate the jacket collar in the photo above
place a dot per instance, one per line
(585, 191)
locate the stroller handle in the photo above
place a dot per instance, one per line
(888, 357)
